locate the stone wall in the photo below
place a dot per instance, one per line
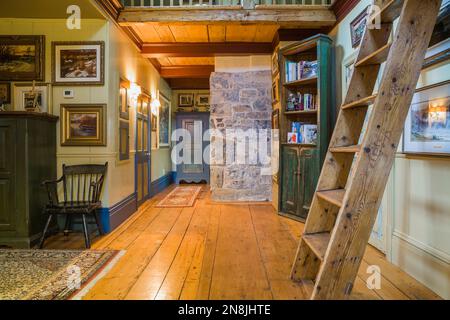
(240, 101)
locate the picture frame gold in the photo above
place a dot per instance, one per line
(84, 67)
(124, 108)
(29, 51)
(185, 99)
(83, 125)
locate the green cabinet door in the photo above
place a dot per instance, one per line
(7, 176)
(309, 173)
(289, 180)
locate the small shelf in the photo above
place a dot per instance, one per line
(301, 82)
(299, 112)
(318, 243)
(299, 144)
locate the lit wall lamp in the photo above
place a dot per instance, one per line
(154, 105)
(134, 92)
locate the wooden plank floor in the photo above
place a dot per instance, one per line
(218, 251)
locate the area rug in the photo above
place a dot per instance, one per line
(180, 197)
(50, 274)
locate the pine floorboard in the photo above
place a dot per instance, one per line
(218, 251)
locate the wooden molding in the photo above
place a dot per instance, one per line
(188, 83)
(204, 49)
(187, 71)
(297, 34)
(111, 7)
(342, 8)
(288, 18)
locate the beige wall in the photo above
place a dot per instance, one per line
(122, 59)
(416, 205)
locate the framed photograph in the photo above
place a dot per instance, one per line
(78, 63)
(275, 68)
(164, 121)
(276, 119)
(427, 127)
(124, 140)
(5, 93)
(185, 99)
(124, 112)
(24, 97)
(202, 99)
(275, 92)
(357, 27)
(22, 58)
(83, 124)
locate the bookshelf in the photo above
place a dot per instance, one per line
(300, 162)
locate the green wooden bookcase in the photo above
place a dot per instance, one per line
(300, 164)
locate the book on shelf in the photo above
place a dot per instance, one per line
(301, 102)
(301, 70)
(303, 133)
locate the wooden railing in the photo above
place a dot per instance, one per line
(212, 3)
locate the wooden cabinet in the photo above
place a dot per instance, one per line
(300, 163)
(300, 173)
(27, 157)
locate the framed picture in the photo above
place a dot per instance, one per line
(427, 127)
(276, 119)
(185, 99)
(202, 99)
(164, 122)
(22, 58)
(124, 112)
(275, 69)
(24, 97)
(78, 63)
(5, 93)
(124, 140)
(357, 27)
(275, 92)
(83, 124)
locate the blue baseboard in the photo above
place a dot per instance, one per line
(161, 183)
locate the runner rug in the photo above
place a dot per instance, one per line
(180, 197)
(50, 274)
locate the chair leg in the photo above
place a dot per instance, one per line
(47, 224)
(67, 225)
(99, 225)
(86, 233)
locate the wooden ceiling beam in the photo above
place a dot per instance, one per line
(204, 49)
(188, 83)
(203, 71)
(315, 17)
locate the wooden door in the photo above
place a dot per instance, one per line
(7, 175)
(143, 149)
(197, 170)
(289, 183)
(309, 172)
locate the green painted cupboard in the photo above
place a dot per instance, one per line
(300, 163)
(27, 157)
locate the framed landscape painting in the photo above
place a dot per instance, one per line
(427, 127)
(78, 63)
(22, 58)
(83, 125)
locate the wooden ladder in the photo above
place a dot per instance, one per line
(357, 165)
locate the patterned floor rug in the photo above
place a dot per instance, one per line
(180, 197)
(50, 274)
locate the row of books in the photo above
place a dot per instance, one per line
(303, 133)
(301, 102)
(301, 70)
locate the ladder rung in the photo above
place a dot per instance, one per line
(318, 242)
(307, 287)
(389, 12)
(346, 149)
(364, 102)
(377, 57)
(332, 196)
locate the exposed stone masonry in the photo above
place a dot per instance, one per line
(239, 101)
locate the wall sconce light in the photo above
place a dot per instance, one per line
(134, 92)
(155, 104)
